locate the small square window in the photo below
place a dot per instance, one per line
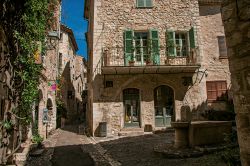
(144, 3)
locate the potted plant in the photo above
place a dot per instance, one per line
(149, 61)
(37, 139)
(131, 63)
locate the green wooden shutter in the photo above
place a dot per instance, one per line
(128, 46)
(192, 38)
(148, 3)
(155, 46)
(171, 43)
(140, 3)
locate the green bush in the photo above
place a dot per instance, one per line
(37, 139)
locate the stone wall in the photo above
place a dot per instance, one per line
(72, 71)
(108, 21)
(49, 75)
(111, 18)
(217, 68)
(236, 16)
(109, 105)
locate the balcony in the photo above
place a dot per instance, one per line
(114, 61)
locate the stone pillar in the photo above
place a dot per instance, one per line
(236, 19)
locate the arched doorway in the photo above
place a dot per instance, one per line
(131, 101)
(164, 105)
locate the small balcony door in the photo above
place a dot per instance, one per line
(131, 99)
(164, 105)
(141, 47)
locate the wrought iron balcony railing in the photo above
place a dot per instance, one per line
(115, 56)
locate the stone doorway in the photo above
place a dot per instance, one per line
(131, 101)
(164, 105)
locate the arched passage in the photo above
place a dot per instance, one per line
(164, 105)
(131, 101)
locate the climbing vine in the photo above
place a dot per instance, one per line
(24, 24)
(34, 24)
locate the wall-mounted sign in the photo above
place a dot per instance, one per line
(45, 115)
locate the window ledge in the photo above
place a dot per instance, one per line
(223, 57)
(144, 7)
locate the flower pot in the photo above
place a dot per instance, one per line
(149, 63)
(167, 62)
(131, 63)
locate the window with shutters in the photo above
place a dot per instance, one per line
(180, 43)
(222, 46)
(141, 47)
(216, 91)
(144, 3)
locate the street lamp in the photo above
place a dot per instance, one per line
(51, 40)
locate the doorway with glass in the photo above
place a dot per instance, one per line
(131, 100)
(164, 106)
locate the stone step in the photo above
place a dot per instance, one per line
(132, 129)
(128, 132)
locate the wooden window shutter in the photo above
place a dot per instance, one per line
(128, 46)
(148, 3)
(140, 3)
(222, 46)
(216, 90)
(155, 46)
(192, 38)
(171, 43)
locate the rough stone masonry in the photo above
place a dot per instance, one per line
(236, 18)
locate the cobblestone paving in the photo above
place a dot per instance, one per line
(70, 149)
(45, 158)
(133, 151)
(63, 149)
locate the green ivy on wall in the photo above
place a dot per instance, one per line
(34, 25)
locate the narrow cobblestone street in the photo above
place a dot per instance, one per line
(68, 149)
(63, 148)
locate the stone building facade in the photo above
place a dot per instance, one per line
(150, 61)
(236, 16)
(71, 68)
(45, 110)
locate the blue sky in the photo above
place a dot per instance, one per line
(72, 16)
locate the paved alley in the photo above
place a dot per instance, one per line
(68, 149)
(63, 148)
